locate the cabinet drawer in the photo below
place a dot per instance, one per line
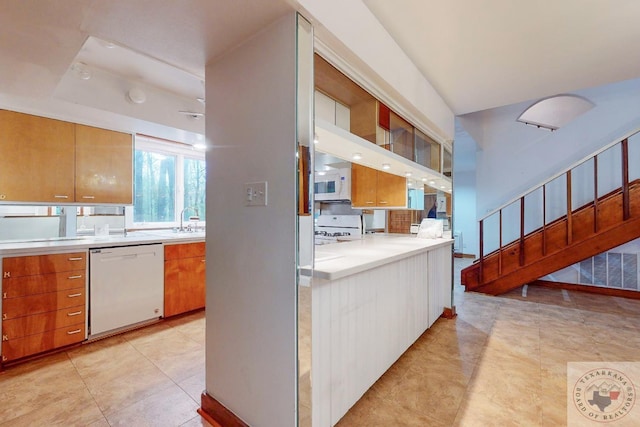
(43, 322)
(33, 344)
(184, 250)
(42, 303)
(40, 284)
(42, 264)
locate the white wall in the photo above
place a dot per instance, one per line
(515, 157)
(251, 251)
(464, 210)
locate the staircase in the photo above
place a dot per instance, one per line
(546, 245)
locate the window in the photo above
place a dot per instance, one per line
(169, 180)
(194, 185)
(154, 187)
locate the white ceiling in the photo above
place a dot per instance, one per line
(477, 55)
(485, 54)
(161, 46)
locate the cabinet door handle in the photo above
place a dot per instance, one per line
(79, 276)
(6, 275)
(369, 203)
(60, 196)
(75, 295)
(75, 259)
(88, 197)
(4, 316)
(382, 202)
(75, 313)
(204, 260)
(4, 295)
(5, 338)
(77, 331)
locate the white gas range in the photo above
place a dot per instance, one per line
(335, 228)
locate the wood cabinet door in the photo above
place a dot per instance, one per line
(184, 278)
(37, 160)
(363, 186)
(104, 166)
(392, 190)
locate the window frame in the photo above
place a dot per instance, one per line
(167, 148)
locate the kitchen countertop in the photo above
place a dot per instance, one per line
(342, 259)
(66, 244)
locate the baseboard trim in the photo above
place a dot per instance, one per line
(624, 293)
(217, 414)
(461, 255)
(449, 313)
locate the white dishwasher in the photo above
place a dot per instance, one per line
(126, 287)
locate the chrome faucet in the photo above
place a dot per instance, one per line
(195, 218)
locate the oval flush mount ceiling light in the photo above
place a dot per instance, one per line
(136, 96)
(555, 112)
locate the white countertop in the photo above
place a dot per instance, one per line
(342, 259)
(66, 244)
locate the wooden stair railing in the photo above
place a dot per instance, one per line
(607, 222)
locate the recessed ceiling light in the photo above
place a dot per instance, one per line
(442, 186)
(315, 138)
(409, 183)
(357, 156)
(322, 173)
(200, 146)
(424, 179)
(432, 183)
(386, 166)
(407, 173)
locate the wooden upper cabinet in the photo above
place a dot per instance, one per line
(104, 166)
(373, 188)
(363, 186)
(36, 158)
(392, 190)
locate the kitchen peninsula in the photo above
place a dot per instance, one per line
(371, 299)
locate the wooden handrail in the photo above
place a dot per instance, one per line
(480, 276)
(598, 222)
(522, 231)
(625, 179)
(569, 210)
(500, 246)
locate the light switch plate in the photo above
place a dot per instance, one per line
(255, 194)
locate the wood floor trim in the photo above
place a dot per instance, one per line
(624, 293)
(212, 410)
(449, 313)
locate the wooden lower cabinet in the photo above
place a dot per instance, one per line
(184, 278)
(32, 344)
(43, 303)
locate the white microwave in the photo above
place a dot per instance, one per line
(334, 184)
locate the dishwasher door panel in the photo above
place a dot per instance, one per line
(126, 286)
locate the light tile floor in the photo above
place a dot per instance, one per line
(149, 377)
(501, 362)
